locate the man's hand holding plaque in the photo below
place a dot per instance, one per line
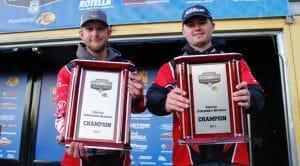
(242, 95)
(177, 101)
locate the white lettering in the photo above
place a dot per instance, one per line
(94, 3)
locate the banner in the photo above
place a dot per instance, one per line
(37, 15)
(151, 136)
(12, 106)
(46, 147)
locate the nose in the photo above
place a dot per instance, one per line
(198, 26)
(94, 32)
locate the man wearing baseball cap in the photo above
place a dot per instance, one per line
(94, 33)
(164, 98)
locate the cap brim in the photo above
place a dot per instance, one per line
(195, 15)
(87, 21)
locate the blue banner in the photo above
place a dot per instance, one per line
(12, 106)
(36, 15)
(46, 148)
(151, 136)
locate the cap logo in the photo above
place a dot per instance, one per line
(193, 10)
(94, 16)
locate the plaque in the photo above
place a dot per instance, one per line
(213, 117)
(99, 104)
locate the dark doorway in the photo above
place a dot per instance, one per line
(268, 126)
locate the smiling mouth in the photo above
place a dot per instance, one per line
(199, 34)
(96, 41)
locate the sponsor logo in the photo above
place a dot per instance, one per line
(101, 85)
(140, 125)
(166, 126)
(7, 117)
(166, 147)
(161, 158)
(21, 20)
(166, 136)
(11, 156)
(33, 7)
(13, 81)
(137, 136)
(10, 95)
(192, 10)
(7, 126)
(4, 141)
(28, 3)
(89, 4)
(210, 78)
(148, 163)
(141, 157)
(8, 106)
(143, 116)
(139, 147)
(8, 133)
(46, 18)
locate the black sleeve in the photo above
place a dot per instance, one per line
(156, 100)
(257, 97)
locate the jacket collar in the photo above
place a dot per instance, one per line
(82, 53)
(189, 50)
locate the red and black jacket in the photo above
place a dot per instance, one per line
(194, 155)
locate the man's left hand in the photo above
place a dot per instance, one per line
(135, 86)
(242, 95)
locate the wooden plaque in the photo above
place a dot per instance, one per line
(98, 112)
(213, 117)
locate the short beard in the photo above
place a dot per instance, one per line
(98, 49)
(202, 44)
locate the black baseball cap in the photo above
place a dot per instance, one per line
(93, 15)
(195, 11)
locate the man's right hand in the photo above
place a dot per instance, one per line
(77, 150)
(176, 101)
(60, 138)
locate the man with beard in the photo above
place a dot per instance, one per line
(163, 97)
(94, 32)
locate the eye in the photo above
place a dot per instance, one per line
(101, 28)
(190, 24)
(89, 28)
(201, 22)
